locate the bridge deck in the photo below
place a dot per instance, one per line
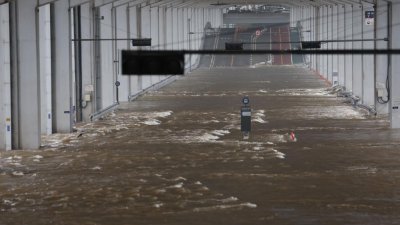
(177, 156)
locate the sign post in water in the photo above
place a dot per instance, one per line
(245, 117)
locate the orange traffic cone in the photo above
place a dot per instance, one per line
(293, 137)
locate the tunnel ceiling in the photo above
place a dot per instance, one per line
(214, 3)
(288, 3)
(228, 3)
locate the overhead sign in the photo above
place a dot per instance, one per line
(152, 63)
(233, 46)
(369, 18)
(141, 42)
(310, 44)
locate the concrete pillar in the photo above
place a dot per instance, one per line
(107, 74)
(175, 30)
(180, 29)
(341, 35)
(162, 25)
(325, 36)
(25, 76)
(134, 32)
(395, 66)
(154, 33)
(62, 82)
(26, 82)
(45, 69)
(322, 36)
(314, 34)
(348, 21)
(88, 60)
(292, 15)
(335, 32)
(382, 66)
(319, 36)
(169, 37)
(5, 79)
(185, 35)
(329, 36)
(121, 32)
(146, 33)
(154, 19)
(357, 59)
(368, 73)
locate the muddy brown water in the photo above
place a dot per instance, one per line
(177, 156)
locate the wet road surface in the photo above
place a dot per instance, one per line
(269, 38)
(177, 156)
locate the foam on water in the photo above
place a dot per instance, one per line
(279, 154)
(152, 122)
(220, 132)
(223, 207)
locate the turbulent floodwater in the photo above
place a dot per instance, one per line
(177, 156)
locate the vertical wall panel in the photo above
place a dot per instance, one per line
(395, 68)
(368, 75)
(88, 62)
(121, 31)
(5, 79)
(357, 59)
(107, 78)
(349, 45)
(26, 82)
(382, 67)
(341, 45)
(45, 69)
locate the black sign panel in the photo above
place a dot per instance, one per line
(233, 46)
(245, 119)
(141, 42)
(369, 14)
(152, 63)
(310, 44)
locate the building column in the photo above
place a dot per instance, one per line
(368, 73)
(169, 39)
(121, 32)
(313, 34)
(154, 33)
(88, 61)
(135, 20)
(348, 21)
(357, 59)
(329, 36)
(25, 75)
(335, 33)
(175, 29)
(145, 32)
(319, 25)
(395, 66)
(45, 69)
(62, 82)
(107, 75)
(341, 35)
(5, 79)
(382, 63)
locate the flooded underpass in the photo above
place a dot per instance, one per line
(177, 156)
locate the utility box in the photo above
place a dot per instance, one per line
(335, 78)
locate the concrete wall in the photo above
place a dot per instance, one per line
(5, 79)
(362, 75)
(394, 108)
(44, 66)
(45, 69)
